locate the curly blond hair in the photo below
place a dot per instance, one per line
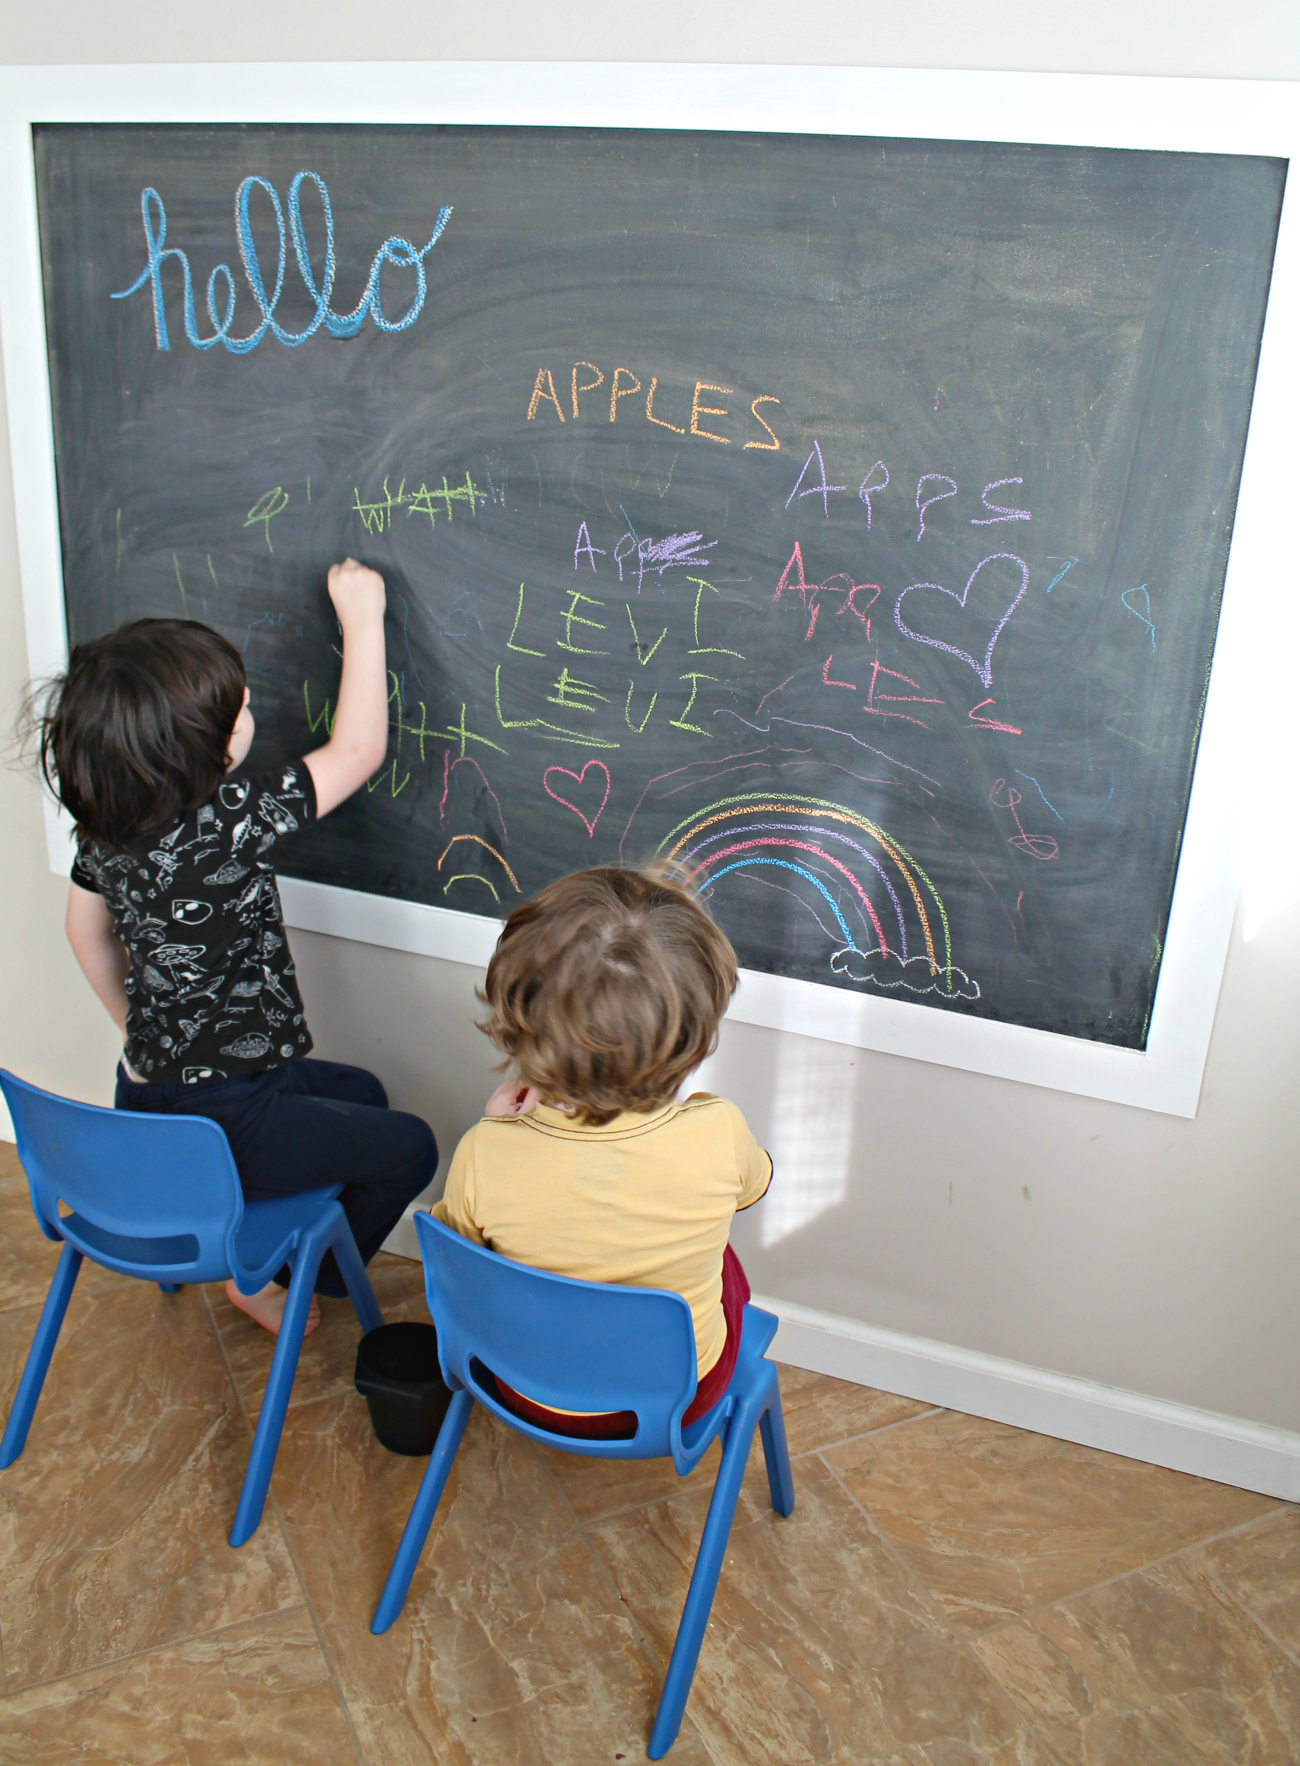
(607, 988)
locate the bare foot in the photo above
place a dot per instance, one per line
(267, 1307)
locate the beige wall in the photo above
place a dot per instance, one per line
(1138, 1250)
(1254, 39)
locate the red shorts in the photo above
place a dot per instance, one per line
(620, 1425)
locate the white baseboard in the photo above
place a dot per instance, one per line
(1227, 1449)
(1203, 1442)
(1208, 1445)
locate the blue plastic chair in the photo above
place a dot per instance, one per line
(593, 1346)
(158, 1197)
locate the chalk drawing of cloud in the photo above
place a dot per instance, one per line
(915, 976)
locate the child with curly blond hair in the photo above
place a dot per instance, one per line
(605, 992)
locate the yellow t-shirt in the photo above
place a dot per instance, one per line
(645, 1199)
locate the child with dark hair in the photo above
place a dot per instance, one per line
(605, 992)
(174, 914)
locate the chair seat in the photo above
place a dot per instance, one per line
(270, 1227)
(757, 1331)
(99, 1242)
(265, 1237)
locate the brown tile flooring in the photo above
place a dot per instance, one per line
(948, 1592)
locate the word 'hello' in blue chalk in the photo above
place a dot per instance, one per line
(396, 250)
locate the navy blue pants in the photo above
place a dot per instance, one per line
(305, 1126)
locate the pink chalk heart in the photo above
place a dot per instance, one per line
(578, 779)
(983, 669)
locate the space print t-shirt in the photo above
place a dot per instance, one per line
(212, 991)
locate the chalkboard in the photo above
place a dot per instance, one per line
(845, 518)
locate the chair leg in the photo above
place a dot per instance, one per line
(704, 1582)
(780, 1482)
(38, 1356)
(275, 1400)
(353, 1271)
(170, 1287)
(423, 1509)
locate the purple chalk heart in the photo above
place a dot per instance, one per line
(983, 669)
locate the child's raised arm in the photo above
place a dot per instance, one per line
(359, 736)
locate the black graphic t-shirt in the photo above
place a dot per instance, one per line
(212, 990)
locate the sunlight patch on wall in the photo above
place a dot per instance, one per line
(811, 1139)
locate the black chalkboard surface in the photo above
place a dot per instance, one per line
(847, 518)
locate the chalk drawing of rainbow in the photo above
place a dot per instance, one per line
(903, 941)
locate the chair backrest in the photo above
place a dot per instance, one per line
(568, 1345)
(151, 1196)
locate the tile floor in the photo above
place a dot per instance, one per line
(948, 1592)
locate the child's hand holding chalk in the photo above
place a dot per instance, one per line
(359, 732)
(356, 591)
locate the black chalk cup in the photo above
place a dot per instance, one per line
(399, 1378)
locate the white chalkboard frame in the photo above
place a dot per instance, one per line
(1255, 117)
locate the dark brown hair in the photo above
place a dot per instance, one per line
(607, 988)
(137, 732)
